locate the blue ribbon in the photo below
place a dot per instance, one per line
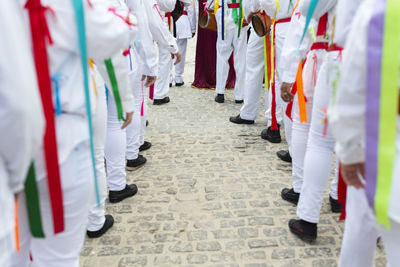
(56, 81)
(223, 20)
(311, 9)
(80, 23)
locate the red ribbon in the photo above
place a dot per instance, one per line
(125, 19)
(342, 191)
(40, 32)
(322, 25)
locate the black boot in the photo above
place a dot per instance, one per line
(336, 207)
(239, 101)
(158, 102)
(146, 145)
(284, 155)
(289, 195)
(239, 120)
(273, 136)
(220, 98)
(118, 196)
(108, 223)
(132, 164)
(303, 229)
(179, 84)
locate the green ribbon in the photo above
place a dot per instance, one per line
(240, 18)
(32, 203)
(235, 13)
(80, 24)
(388, 111)
(114, 87)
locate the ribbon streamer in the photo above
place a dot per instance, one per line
(80, 24)
(311, 9)
(300, 94)
(114, 88)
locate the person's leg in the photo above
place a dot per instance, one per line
(115, 149)
(63, 249)
(254, 77)
(161, 87)
(224, 51)
(239, 59)
(96, 212)
(360, 231)
(6, 248)
(180, 67)
(391, 242)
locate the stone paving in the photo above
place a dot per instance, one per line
(210, 195)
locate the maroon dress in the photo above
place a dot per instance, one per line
(206, 59)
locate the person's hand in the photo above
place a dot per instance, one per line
(128, 119)
(250, 15)
(286, 93)
(150, 80)
(353, 174)
(177, 56)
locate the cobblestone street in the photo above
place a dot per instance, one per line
(209, 194)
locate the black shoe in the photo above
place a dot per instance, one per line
(305, 230)
(147, 123)
(284, 155)
(146, 145)
(118, 196)
(273, 136)
(336, 207)
(239, 120)
(220, 98)
(239, 101)
(179, 84)
(132, 164)
(161, 101)
(108, 223)
(289, 195)
(170, 84)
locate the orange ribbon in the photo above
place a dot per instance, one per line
(300, 93)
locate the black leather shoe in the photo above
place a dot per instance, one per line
(239, 101)
(170, 84)
(289, 195)
(108, 223)
(118, 196)
(336, 207)
(220, 98)
(132, 164)
(284, 155)
(179, 84)
(146, 145)
(147, 123)
(239, 120)
(165, 100)
(273, 136)
(305, 230)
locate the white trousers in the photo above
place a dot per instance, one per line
(161, 87)
(6, 248)
(320, 146)
(115, 148)
(96, 212)
(137, 128)
(300, 130)
(254, 77)
(237, 45)
(63, 249)
(180, 67)
(361, 233)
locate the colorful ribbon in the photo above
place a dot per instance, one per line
(311, 9)
(40, 32)
(300, 94)
(382, 86)
(80, 24)
(114, 88)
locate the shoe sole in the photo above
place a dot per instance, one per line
(134, 168)
(241, 122)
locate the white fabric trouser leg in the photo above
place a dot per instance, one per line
(361, 233)
(96, 212)
(137, 128)
(239, 61)
(319, 154)
(237, 45)
(254, 77)
(299, 143)
(161, 87)
(63, 249)
(6, 248)
(115, 148)
(180, 67)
